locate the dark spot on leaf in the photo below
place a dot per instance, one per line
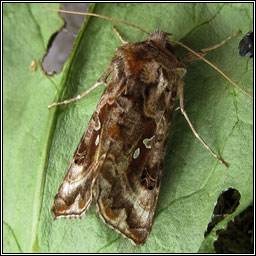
(226, 204)
(246, 45)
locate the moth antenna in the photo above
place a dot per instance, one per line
(221, 43)
(173, 41)
(99, 16)
(212, 65)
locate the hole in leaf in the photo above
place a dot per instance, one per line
(246, 45)
(238, 237)
(226, 204)
(61, 43)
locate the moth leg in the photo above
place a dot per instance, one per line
(183, 111)
(202, 52)
(102, 80)
(119, 36)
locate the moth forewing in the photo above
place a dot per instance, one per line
(75, 193)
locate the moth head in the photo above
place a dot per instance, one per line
(160, 37)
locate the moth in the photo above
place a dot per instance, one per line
(119, 160)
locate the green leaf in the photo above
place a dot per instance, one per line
(27, 122)
(39, 144)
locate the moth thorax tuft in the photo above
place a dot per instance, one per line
(160, 37)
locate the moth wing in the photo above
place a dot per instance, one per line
(75, 193)
(126, 198)
(128, 182)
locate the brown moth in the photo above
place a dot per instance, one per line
(120, 158)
